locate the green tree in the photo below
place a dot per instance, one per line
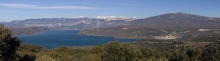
(8, 44)
(115, 51)
(212, 52)
(188, 53)
(216, 52)
(97, 49)
(30, 48)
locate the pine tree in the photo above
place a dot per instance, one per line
(8, 44)
(115, 51)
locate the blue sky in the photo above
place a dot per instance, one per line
(23, 9)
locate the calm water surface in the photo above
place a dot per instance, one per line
(54, 39)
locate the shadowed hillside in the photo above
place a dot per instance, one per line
(17, 31)
(179, 19)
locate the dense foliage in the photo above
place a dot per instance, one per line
(115, 51)
(8, 45)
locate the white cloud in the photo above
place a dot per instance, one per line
(27, 6)
(7, 11)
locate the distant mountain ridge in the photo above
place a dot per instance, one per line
(164, 26)
(178, 19)
(32, 26)
(167, 20)
(79, 23)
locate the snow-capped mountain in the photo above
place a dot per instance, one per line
(80, 17)
(79, 22)
(109, 18)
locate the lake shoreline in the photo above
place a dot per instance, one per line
(56, 38)
(109, 36)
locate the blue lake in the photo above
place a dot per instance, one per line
(54, 39)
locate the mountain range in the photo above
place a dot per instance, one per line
(168, 25)
(164, 26)
(78, 23)
(179, 19)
